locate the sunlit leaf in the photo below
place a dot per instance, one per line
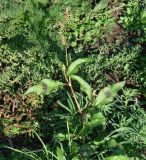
(60, 154)
(108, 94)
(75, 158)
(96, 119)
(117, 158)
(34, 89)
(61, 137)
(112, 143)
(45, 87)
(74, 66)
(101, 5)
(84, 86)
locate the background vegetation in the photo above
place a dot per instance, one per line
(35, 35)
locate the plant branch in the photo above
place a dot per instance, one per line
(66, 56)
(74, 96)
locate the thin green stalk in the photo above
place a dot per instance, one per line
(74, 96)
(66, 56)
(69, 138)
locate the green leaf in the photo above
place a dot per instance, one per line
(75, 158)
(44, 2)
(84, 86)
(85, 150)
(74, 66)
(96, 119)
(112, 143)
(58, 61)
(101, 5)
(107, 94)
(117, 158)
(61, 137)
(143, 134)
(60, 154)
(45, 87)
(34, 89)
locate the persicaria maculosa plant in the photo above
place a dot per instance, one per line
(48, 86)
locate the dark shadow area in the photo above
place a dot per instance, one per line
(18, 43)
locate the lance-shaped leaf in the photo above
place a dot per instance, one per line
(45, 87)
(101, 5)
(107, 94)
(60, 154)
(96, 120)
(120, 157)
(84, 86)
(74, 66)
(58, 61)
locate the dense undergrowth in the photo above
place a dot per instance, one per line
(101, 41)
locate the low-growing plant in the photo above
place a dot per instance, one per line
(134, 20)
(75, 119)
(84, 111)
(87, 125)
(29, 29)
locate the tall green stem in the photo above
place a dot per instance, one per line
(74, 96)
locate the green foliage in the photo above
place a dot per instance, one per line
(24, 59)
(46, 87)
(84, 86)
(101, 5)
(134, 20)
(83, 136)
(88, 28)
(68, 44)
(117, 157)
(107, 94)
(74, 66)
(94, 121)
(80, 126)
(60, 154)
